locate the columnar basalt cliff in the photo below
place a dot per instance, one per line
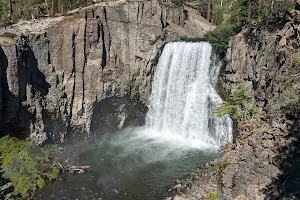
(259, 163)
(55, 73)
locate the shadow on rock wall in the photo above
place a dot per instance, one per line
(287, 185)
(114, 113)
(30, 85)
(12, 109)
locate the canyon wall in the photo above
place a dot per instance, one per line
(87, 72)
(260, 163)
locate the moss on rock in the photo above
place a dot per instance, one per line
(212, 196)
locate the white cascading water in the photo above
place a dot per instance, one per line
(183, 96)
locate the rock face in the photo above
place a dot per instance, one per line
(54, 73)
(263, 58)
(200, 184)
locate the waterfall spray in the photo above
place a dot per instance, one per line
(183, 95)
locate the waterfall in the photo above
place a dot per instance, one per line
(183, 95)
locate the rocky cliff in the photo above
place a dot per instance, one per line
(260, 164)
(90, 71)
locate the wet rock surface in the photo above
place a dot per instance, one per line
(196, 185)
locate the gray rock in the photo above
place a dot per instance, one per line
(54, 75)
(262, 62)
(179, 198)
(207, 165)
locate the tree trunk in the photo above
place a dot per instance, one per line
(208, 10)
(58, 6)
(272, 9)
(10, 8)
(47, 6)
(249, 13)
(52, 8)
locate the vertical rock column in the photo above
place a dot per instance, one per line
(1, 92)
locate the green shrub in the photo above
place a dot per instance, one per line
(218, 15)
(291, 91)
(238, 104)
(231, 15)
(296, 59)
(29, 167)
(212, 196)
(290, 96)
(231, 12)
(219, 38)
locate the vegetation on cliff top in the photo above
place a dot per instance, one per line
(29, 167)
(231, 15)
(13, 10)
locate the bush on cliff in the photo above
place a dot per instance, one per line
(231, 15)
(6, 188)
(238, 104)
(291, 90)
(296, 59)
(219, 38)
(29, 167)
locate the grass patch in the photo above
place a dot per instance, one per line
(29, 167)
(212, 196)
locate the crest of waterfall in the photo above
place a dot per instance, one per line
(183, 95)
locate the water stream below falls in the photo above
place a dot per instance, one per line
(180, 134)
(128, 165)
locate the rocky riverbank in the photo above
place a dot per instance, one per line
(200, 184)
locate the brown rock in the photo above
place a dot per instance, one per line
(179, 198)
(282, 41)
(241, 197)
